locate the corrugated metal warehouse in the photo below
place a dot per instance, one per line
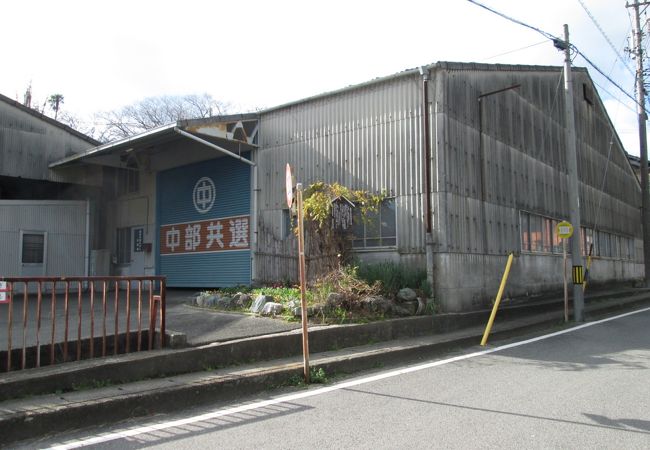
(46, 227)
(498, 180)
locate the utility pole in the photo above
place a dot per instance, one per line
(572, 174)
(640, 95)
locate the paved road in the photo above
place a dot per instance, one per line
(587, 388)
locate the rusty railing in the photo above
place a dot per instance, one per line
(126, 310)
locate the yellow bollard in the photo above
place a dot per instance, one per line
(488, 328)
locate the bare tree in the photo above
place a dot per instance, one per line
(87, 127)
(153, 112)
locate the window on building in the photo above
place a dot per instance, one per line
(33, 248)
(128, 181)
(377, 229)
(535, 233)
(557, 240)
(538, 234)
(630, 248)
(547, 235)
(604, 248)
(123, 245)
(588, 240)
(525, 231)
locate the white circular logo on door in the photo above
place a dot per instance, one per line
(203, 195)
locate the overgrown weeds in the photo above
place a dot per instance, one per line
(394, 277)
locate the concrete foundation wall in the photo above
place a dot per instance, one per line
(470, 281)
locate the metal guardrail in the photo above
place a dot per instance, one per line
(127, 309)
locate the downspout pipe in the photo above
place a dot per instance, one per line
(426, 163)
(254, 231)
(427, 148)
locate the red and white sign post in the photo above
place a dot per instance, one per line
(301, 267)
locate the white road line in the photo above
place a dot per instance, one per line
(324, 390)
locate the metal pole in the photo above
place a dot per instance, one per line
(572, 174)
(303, 283)
(566, 290)
(642, 117)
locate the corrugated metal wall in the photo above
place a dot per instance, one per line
(367, 138)
(523, 152)
(65, 225)
(223, 264)
(28, 145)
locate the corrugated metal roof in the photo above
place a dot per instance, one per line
(147, 137)
(445, 65)
(163, 134)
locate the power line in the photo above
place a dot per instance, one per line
(616, 99)
(515, 50)
(559, 43)
(542, 32)
(614, 49)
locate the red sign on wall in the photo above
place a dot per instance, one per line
(214, 235)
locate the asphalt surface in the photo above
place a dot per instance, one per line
(200, 325)
(204, 325)
(586, 388)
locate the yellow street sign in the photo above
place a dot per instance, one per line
(564, 229)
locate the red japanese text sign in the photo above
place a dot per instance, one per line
(213, 235)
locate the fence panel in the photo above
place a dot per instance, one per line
(49, 320)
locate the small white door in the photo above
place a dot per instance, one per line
(130, 251)
(137, 251)
(33, 253)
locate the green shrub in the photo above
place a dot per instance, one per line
(394, 277)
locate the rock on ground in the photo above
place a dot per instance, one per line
(259, 303)
(242, 301)
(272, 309)
(406, 295)
(377, 304)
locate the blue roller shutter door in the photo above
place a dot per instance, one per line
(204, 224)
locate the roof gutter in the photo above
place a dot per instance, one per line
(214, 146)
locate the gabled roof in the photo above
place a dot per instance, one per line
(48, 120)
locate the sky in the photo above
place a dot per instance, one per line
(255, 54)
